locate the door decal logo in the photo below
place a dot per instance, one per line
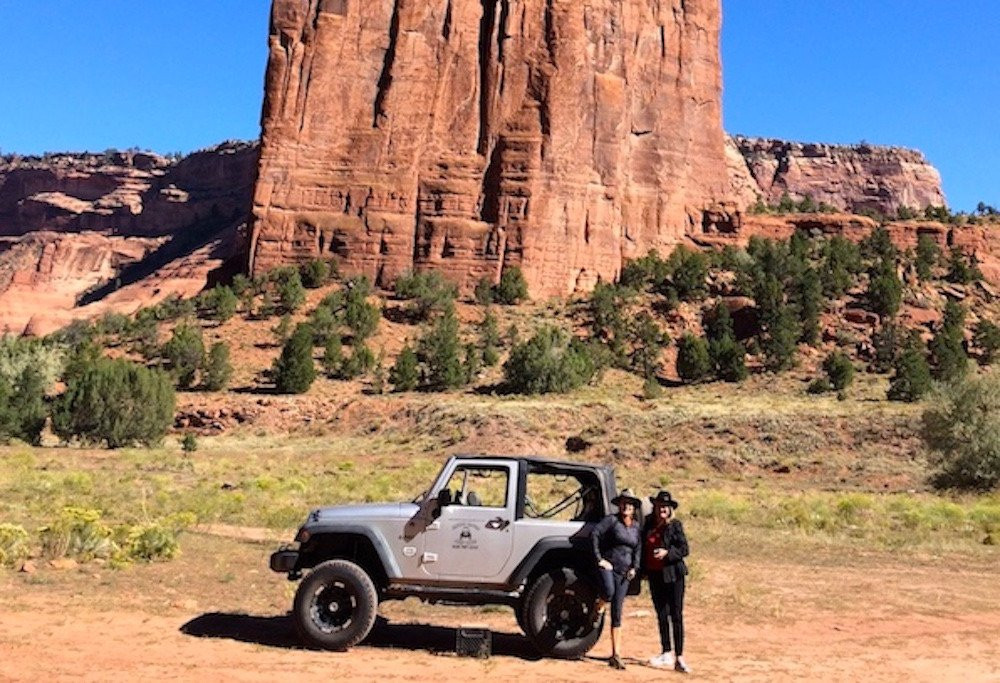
(465, 538)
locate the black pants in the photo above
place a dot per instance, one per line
(614, 588)
(668, 599)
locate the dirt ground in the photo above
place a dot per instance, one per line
(778, 611)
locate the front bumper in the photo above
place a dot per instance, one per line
(285, 561)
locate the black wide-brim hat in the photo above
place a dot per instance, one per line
(628, 497)
(664, 498)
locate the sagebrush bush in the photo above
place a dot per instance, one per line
(16, 354)
(961, 427)
(77, 533)
(13, 545)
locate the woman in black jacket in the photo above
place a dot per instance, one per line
(617, 547)
(664, 548)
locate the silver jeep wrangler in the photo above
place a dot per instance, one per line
(490, 530)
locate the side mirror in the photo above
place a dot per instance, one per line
(443, 500)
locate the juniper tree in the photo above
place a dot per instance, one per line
(294, 370)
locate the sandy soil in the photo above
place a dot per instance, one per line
(804, 615)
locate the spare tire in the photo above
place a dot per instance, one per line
(557, 614)
(335, 606)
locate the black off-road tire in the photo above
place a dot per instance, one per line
(557, 614)
(335, 606)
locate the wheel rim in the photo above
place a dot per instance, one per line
(567, 614)
(332, 607)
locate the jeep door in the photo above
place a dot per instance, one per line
(473, 536)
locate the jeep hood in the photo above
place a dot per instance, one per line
(360, 514)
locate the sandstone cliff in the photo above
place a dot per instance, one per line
(464, 136)
(84, 233)
(849, 178)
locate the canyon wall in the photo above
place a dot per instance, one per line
(556, 135)
(82, 234)
(858, 178)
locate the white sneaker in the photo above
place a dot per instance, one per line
(681, 665)
(662, 661)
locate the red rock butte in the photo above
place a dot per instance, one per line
(468, 136)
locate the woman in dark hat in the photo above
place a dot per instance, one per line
(664, 550)
(617, 549)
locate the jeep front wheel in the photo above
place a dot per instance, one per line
(557, 614)
(335, 606)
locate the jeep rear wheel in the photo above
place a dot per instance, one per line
(558, 617)
(335, 606)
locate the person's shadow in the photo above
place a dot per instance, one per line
(279, 632)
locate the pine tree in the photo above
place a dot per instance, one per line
(839, 370)
(489, 339)
(912, 379)
(693, 361)
(218, 370)
(885, 289)
(185, 352)
(333, 356)
(513, 288)
(440, 351)
(947, 348)
(886, 341)
(648, 341)
(294, 370)
(291, 293)
(987, 339)
(927, 257)
(405, 374)
(809, 300)
(780, 344)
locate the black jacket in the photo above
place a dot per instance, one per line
(676, 544)
(618, 544)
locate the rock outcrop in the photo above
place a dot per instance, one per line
(556, 135)
(854, 179)
(81, 234)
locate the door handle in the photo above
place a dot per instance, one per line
(497, 524)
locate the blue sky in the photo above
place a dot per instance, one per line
(178, 75)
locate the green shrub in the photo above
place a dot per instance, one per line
(689, 276)
(839, 370)
(489, 339)
(189, 444)
(22, 407)
(729, 359)
(648, 341)
(820, 385)
(430, 292)
(513, 288)
(693, 361)
(46, 357)
(405, 374)
(961, 427)
(218, 369)
(885, 289)
(549, 362)
(294, 370)
(483, 293)
(987, 339)
(608, 307)
(962, 269)
(220, 304)
(314, 274)
(360, 316)
(150, 543)
(291, 293)
(927, 258)
(114, 402)
(283, 329)
(780, 343)
(912, 379)
(359, 363)
(185, 353)
(440, 352)
(642, 272)
(948, 357)
(886, 341)
(324, 323)
(333, 356)
(808, 298)
(13, 545)
(840, 266)
(652, 389)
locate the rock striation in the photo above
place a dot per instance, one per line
(466, 136)
(858, 178)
